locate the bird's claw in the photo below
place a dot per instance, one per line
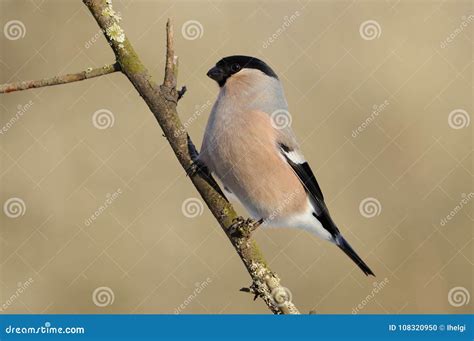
(244, 227)
(254, 224)
(196, 167)
(192, 169)
(236, 228)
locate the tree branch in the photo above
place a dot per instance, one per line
(57, 80)
(162, 101)
(171, 67)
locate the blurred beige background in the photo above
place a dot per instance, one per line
(389, 183)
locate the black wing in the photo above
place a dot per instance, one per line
(303, 171)
(308, 180)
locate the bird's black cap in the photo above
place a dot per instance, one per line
(227, 66)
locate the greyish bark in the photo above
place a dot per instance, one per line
(58, 80)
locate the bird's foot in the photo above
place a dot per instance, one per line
(253, 224)
(244, 227)
(236, 227)
(196, 167)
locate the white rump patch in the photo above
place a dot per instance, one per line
(305, 220)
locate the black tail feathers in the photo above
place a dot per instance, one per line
(348, 250)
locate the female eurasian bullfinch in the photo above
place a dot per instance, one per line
(250, 147)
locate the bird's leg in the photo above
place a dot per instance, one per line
(198, 167)
(244, 227)
(235, 229)
(253, 224)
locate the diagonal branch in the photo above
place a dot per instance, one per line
(57, 80)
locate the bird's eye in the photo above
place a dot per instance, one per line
(235, 67)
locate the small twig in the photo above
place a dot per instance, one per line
(171, 67)
(57, 80)
(182, 92)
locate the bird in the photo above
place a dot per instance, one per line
(256, 156)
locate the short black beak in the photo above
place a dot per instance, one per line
(216, 73)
